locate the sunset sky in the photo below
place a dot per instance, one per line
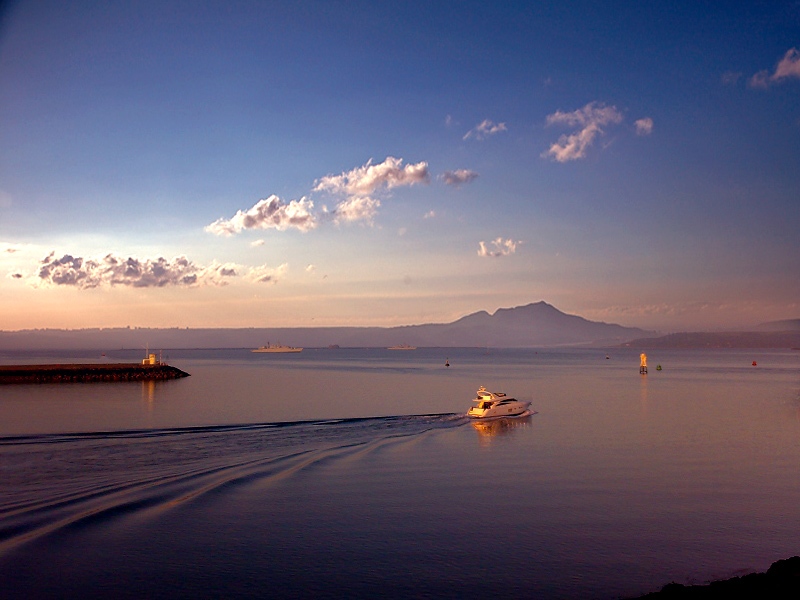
(236, 164)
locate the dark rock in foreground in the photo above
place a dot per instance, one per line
(782, 580)
(90, 373)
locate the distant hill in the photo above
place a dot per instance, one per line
(742, 339)
(534, 325)
(787, 325)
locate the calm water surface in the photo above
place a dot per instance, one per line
(354, 473)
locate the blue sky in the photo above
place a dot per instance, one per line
(229, 164)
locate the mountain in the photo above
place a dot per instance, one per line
(534, 325)
(787, 325)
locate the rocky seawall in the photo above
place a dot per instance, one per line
(88, 373)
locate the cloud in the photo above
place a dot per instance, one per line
(130, 272)
(359, 185)
(355, 209)
(257, 243)
(500, 247)
(644, 126)
(366, 180)
(787, 68)
(484, 129)
(310, 268)
(268, 213)
(459, 177)
(590, 119)
(266, 274)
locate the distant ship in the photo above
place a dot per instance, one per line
(402, 347)
(277, 348)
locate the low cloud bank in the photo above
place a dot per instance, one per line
(113, 270)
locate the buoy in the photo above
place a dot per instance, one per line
(755, 364)
(447, 362)
(643, 363)
(658, 367)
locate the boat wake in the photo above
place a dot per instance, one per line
(52, 482)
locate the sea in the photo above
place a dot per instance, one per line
(354, 473)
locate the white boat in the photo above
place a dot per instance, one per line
(496, 404)
(277, 348)
(402, 347)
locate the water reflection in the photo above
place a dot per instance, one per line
(499, 427)
(149, 392)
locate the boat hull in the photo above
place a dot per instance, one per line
(508, 410)
(277, 350)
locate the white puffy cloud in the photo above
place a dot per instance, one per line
(86, 273)
(499, 247)
(359, 185)
(268, 213)
(357, 208)
(590, 119)
(644, 126)
(787, 68)
(366, 180)
(459, 177)
(484, 129)
(267, 274)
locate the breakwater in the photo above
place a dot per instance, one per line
(88, 373)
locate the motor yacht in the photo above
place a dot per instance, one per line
(496, 404)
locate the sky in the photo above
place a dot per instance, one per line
(347, 163)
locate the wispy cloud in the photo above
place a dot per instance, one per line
(644, 126)
(497, 248)
(87, 273)
(590, 119)
(359, 185)
(459, 177)
(267, 274)
(731, 77)
(269, 213)
(787, 68)
(485, 129)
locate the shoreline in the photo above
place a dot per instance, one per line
(782, 580)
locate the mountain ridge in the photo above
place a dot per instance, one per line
(537, 324)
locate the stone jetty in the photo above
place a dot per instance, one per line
(88, 373)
